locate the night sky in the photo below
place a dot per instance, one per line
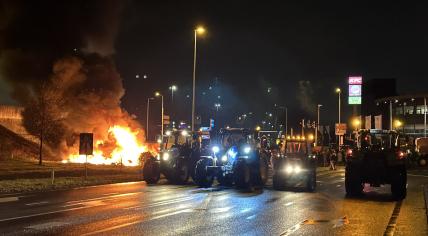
(299, 52)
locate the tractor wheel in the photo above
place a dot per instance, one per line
(202, 177)
(353, 182)
(182, 172)
(311, 183)
(398, 183)
(242, 175)
(151, 171)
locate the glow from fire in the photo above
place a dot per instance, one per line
(127, 149)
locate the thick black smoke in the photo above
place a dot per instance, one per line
(36, 34)
(67, 45)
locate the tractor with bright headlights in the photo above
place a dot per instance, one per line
(295, 164)
(235, 159)
(180, 151)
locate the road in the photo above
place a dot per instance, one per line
(138, 209)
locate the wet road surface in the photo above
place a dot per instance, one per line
(163, 209)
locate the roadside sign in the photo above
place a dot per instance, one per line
(355, 90)
(166, 120)
(86, 144)
(354, 100)
(340, 129)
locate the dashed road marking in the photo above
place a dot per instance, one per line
(36, 203)
(48, 225)
(8, 199)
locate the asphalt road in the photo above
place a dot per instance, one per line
(138, 209)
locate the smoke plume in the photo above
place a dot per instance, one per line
(305, 97)
(68, 45)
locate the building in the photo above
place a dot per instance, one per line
(383, 108)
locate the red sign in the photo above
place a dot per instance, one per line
(355, 80)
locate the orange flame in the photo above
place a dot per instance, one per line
(127, 149)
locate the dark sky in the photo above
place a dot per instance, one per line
(250, 47)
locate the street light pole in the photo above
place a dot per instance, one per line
(317, 127)
(286, 121)
(339, 92)
(147, 118)
(157, 94)
(198, 30)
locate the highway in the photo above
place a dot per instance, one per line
(163, 209)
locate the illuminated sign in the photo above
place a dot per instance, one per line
(354, 100)
(355, 80)
(354, 90)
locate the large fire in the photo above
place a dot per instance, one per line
(122, 147)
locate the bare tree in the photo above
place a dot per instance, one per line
(42, 117)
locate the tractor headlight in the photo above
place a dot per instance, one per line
(288, 169)
(215, 149)
(224, 158)
(165, 156)
(247, 149)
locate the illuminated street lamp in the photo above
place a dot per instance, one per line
(217, 106)
(199, 30)
(398, 124)
(356, 122)
(173, 88)
(157, 94)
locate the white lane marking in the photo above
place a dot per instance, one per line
(36, 203)
(291, 230)
(105, 194)
(8, 199)
(425, 176)
(44, 213)
(104, 198)
(288, 203)
(251, 217)
(338, 186)
(48, 225)
(136, 222)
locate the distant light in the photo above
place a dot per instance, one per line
(200, 30)
(168, 133)
(157, 94)
(173, 87)
(144, 76)
(137, 76)
(218, 96)
(184, 133)
(210, 88)
(338, 90)
(187, 96)
(258, 128)
(269, 90)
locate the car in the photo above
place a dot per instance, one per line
(235, 159)
(295, 165)
(180, 152)
(377, 159)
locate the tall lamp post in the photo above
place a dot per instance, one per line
(157, 94)
(199, 30)
(339, 92)
(173, 88)
(317, 127)
(147, 117)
